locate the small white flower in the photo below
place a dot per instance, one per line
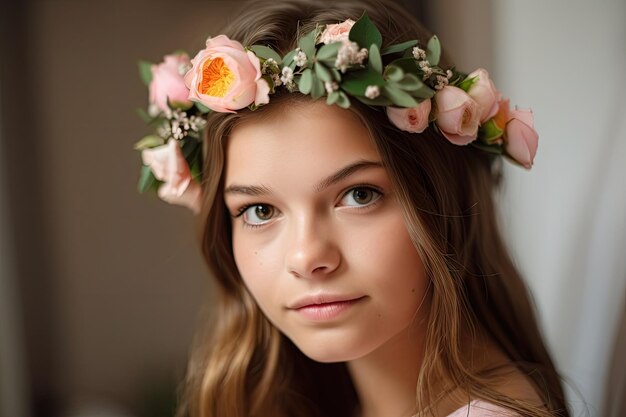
(300, 59)
(426, 69)
(372, 91)
(441, 82)
(287, 77)
(269, 64)
(448, 74)
(331, 86)
(350, 54)
(153, 110)
(419, 53)
(276, 79)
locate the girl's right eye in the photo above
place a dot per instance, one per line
(256, 215)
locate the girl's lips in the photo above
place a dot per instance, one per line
(326, 311)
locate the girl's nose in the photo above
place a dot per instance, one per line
(311, 251)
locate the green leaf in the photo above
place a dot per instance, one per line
(307, 44)
(365, 33)
(201, 107)
(423, 92)
(393, 73)
(322, 72)
(306, 81)
(147, 181)
(332, 97)
(288, 59)
(399, 47)
(433, 51)
(150, 141)
(378, 101)
(329, 52)
(375, 61)
(317, 87)
(145, 71)
(398, 97)
(343, 101)
(489, 132)
(408, 65)
(266, 52)
(357, 82)
(144, 115)
(409, 83)
(467, 83)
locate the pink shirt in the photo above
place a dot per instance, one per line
(480, 408)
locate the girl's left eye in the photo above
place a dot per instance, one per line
(361, 196)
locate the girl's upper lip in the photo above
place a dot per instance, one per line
(322, 298)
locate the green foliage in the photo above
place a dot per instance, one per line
(467, 83)
(375, 60)
(365, 33)
(433, 51)
(322, 72)
(356, 83)
(489, 132)
(201, 107)
(147, 181)
(306, 81)
(399, 97)
(307, 44)
(150, 141)
(317, 87)
(398, 48)
(328, 53)
(145, 71)
(266, 53)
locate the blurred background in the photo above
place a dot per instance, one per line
(101, 288)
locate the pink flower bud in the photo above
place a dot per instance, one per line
(167, 82)
(336, 33)
(521, 139)
(458, 115)
(168, 165)
(414, 119)
(484, 93)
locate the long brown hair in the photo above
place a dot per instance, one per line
(246, 367)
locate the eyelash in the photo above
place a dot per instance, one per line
(243, 209)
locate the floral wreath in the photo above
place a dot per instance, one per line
(338, 61)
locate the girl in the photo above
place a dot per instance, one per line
(353, 239)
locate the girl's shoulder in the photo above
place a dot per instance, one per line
(480, 408)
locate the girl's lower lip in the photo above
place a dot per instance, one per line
(326, 311)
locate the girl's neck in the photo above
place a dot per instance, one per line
(386, 379)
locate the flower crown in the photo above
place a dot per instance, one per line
(338, 61)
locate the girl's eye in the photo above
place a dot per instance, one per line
(361, 196)
(257, 214)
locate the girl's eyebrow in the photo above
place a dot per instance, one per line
(260, 190)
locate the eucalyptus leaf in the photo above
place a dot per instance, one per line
(147, 180)
(423, 92)
(307, 44)
(398, 97)
(150, 141)
(375, 61)
(356, 83)
(317, 87)
(365, 33)
(201, 107)
(332, 97)
(433, 51)
(343, 101)
(378, 101)
(393, 73)
(306, 81)
(145, 71)
(144, 115)
(408, 65)
(322, 72)
(266, 52)
(399, 47)
(336, 74)
(288, 59)
(329, 52)
(410, 83)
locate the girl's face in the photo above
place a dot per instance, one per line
(318, 235)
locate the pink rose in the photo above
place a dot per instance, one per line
(336, 33)
(485, 94)
(168, 165)
(167, 82)
(414, 119)
(224, 77)
(520, 137)
(458, 115)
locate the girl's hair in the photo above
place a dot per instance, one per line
(246, 367)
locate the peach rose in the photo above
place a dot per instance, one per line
(520, 137)
(168, 165)
(485, 94)
(458, 115)
(414, 119)
(224, 77)
(336, 33)
(167, 82)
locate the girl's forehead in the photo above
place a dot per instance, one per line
(314, 136)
